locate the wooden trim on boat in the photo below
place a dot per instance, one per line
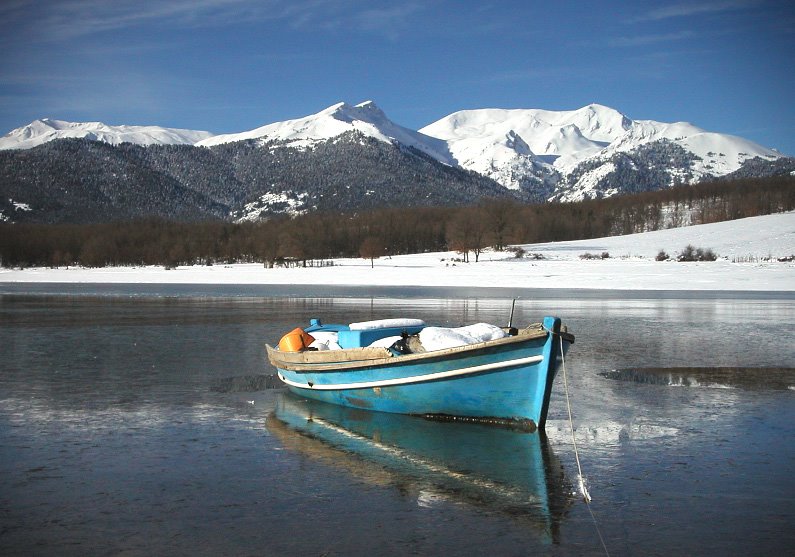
(328, 356)
(351, 358)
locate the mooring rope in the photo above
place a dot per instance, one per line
(586, 497)
(580, 478)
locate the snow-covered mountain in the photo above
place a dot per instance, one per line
(42, 131)
(582, 150)
(568, 155)
(562, 138)
(334, 121)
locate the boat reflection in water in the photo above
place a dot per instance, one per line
(509, 471)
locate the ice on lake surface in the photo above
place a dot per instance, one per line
(775, 378)
(144, 424)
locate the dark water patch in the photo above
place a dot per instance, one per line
(246, 384)
(751, 378)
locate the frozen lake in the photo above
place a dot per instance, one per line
(136, 420)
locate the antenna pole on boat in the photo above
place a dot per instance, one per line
(510, 319)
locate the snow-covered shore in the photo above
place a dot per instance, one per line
(747, 251)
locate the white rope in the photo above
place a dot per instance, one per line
(580, 478)
(586, 497)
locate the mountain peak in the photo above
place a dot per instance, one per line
(365, 118)
(369, 105)
(321, 126)
(599, 109)
(333, 109)
(366, 111)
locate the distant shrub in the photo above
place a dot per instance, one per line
(696, 254)
(687, 254)
(518, 252)
(706, 255)
(662, 256)
(603, 255)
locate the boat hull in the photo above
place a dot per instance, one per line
(505, 380)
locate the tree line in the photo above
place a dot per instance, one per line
(491, 223)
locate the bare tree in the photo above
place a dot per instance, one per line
(466, 232)
(372, 248)
(498, 215)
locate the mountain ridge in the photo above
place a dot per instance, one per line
(365, 117)
(351, 155)
(45, 130)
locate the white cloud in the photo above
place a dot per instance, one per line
(69, 19)
(694, 8)
(641, 40)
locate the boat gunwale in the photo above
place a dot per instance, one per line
(368, 356)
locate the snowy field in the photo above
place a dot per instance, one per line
(747, 251)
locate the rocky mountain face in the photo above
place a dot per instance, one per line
(347, 158)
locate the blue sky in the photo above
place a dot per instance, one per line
(234, 65)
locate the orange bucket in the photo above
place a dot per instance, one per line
(296, 340)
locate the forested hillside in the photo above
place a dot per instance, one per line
(322, 234)
(79, 181)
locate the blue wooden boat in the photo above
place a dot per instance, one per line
(499, 470)
(504, 381)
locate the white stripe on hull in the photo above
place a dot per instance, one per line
(415, 378)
